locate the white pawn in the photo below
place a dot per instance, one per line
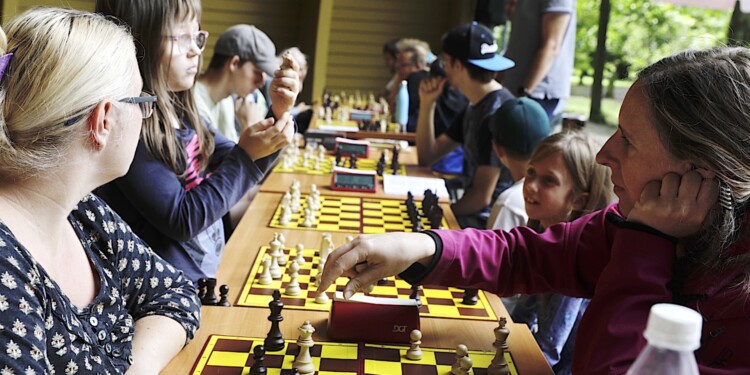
(275, 270)
(295, 204)
(322, 298)
(303, 362)
(415, 352)
(465, 364)
(265, 275)
(286, 199)
(311, 203)
(461, 352)
(292, 288)
(321, 152)
(321, 265)
(300, 258)
(277, 249)
(316, 165)
(286, 215)
(308, 222)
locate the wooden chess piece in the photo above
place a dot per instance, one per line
(504, 332)
(292, 288)
(201, 288)
(210, 298)
(322, 298)
(498, 365)
(300, 259)
(471, 297)
(415, 352)
(265, 277)
(464, 365)
(223, 296)
(461, 352)
(415, 295)
(259, 355)
(274, 341)
(303, 362)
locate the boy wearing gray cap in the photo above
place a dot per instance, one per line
(243, 55)
(517, 127)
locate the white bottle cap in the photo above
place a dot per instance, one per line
(674, 327)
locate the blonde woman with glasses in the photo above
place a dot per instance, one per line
(186, 176)
(72, 296)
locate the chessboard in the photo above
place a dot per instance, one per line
(329, 162)
(233, 355)
(355, 215)
(437, 302)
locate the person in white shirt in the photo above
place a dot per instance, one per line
(517, 127)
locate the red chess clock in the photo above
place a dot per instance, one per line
(354, 180)
(349, 147)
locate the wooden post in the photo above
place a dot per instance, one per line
(322, 43)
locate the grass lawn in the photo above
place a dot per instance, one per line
(582, 105)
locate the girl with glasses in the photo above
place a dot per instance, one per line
(185, 176)
(70, 294)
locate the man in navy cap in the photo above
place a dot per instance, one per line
(470, 62)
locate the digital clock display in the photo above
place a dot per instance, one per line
(349, 148)
(354, 181)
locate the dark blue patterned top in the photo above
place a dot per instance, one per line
(43, 332)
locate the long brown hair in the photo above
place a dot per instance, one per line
(150, 21)
(698, 101)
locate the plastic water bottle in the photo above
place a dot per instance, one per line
(402, 106)
(673, 333)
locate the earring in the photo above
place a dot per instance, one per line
(725, 197)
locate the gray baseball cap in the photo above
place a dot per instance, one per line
(249, 43)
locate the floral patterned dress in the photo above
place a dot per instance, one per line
(43, 332)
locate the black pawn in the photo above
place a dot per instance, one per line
(274, 342)
(223, 292)
(259, 355)
(294, 371)
(201, 288)
(338, 157)
(470, 297)
(382, 158)
(353, 162)
(380, 169)
(209, 299)
(383, 282)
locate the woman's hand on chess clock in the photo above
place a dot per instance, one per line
(370, 258)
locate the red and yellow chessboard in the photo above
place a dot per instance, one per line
(326, 166)
(437, 302)
(225, 355)
(354, 215)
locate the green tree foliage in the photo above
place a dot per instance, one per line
(642, 31)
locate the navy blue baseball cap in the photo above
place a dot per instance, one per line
(475, 44)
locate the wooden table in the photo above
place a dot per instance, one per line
(239, 254)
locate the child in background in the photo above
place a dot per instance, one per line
(185, 175)
(563, 182)
(517, 127)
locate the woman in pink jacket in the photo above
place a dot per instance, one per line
(679, 234)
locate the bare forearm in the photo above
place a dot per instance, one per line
(426, 134)
(541, 66)
(469, 204)
(157, 340)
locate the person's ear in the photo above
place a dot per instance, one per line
(580, 201)
(100, 124)
(498, 150)
(234, 63)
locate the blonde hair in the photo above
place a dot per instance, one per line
(418, 49)
(64, 63)
(579, 154)
(150, 21)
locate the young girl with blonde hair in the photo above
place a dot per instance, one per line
(562, 183)
(186, 176)
(72, 296)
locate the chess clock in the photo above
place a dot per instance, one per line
(349, 147)
(354, 180)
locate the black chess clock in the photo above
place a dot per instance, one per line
(354, 180)
(349, 147)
